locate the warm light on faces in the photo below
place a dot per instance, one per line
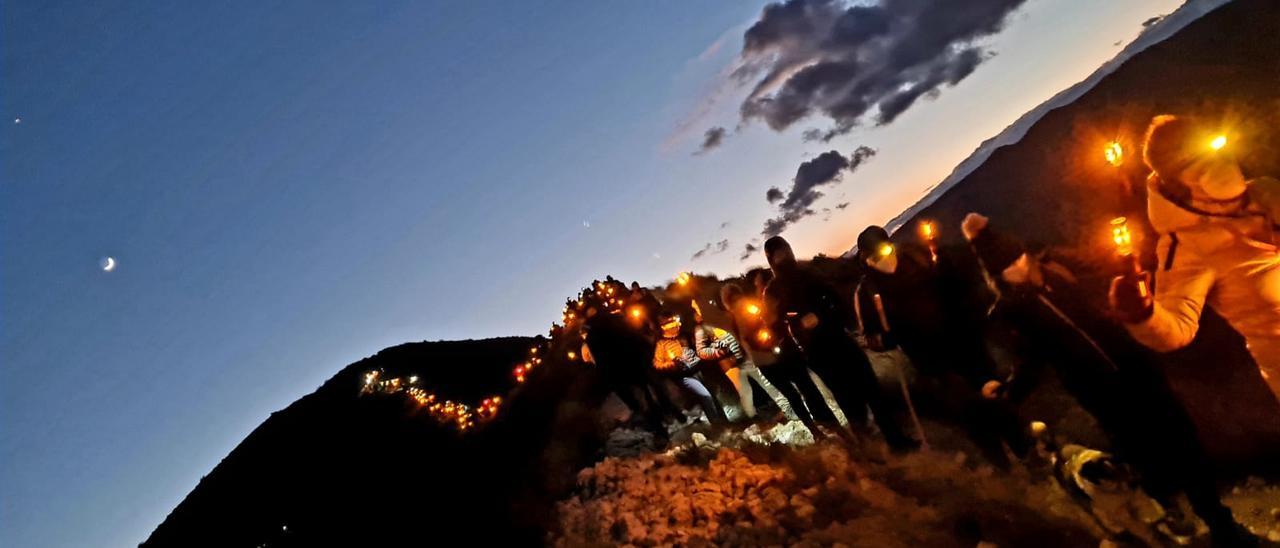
(885, 259)
(671, 328)
(1215, 177)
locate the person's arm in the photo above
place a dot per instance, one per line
(865, 310)
(1180, 295)
(664, 356)
(704, 343)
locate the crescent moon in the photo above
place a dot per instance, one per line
(108, 264)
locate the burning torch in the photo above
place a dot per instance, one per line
(929, 233)
(1131, 270)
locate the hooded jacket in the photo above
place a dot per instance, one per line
(1231, 263)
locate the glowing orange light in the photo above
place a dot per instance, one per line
(753, 309)
(886, 250)
(635, 311)
(683, 278)
(572, 355)
(764, 336)
(1218, 142)
(1114, 153)
(1121, 237)
(927, 230)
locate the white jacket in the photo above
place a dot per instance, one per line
(1233, 264)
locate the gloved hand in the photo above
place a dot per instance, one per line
(1131, 297)
(993, 390)
(973, 224)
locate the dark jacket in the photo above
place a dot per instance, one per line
(796, 297)
(936, 311)
(1113, 377)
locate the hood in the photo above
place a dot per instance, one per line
(1167, 216)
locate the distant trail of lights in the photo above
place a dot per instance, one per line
(609, 295)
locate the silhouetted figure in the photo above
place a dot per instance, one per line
(933, 305)
(807, 310)
(1110, 375)
(622, 354)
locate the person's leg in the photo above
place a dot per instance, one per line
(655, 390)
(717, 384)
(784, 379)
(838, 376)
(754, 373)
(861, 385)
(742, 382)
(829, 405)
(692, 386)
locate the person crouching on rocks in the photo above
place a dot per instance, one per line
(1218, 245)
(679, 363)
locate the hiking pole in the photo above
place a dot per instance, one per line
(911, 408)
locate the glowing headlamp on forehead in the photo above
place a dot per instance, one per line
(886, 249)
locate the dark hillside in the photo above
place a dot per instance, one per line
(335, 465)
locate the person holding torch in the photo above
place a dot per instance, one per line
(1218, 237)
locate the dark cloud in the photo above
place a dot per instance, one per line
(860, 155)
(774, 195)
(724, 225)
(747, 251)
(825, 169)
(713, 138)
(842, 205)
(853, 63)
(711, 249)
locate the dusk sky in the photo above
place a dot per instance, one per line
(287, 187)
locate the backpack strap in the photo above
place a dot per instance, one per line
(1173, 250)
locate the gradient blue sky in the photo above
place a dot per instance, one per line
(291, 186)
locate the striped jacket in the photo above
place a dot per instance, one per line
(715, 344)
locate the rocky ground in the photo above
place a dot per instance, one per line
(775, 486)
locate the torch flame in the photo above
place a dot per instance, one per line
(753, 309)
(1218, 142)
(1121, 237)
(764, 336)
(1114, 153)
(927, 230)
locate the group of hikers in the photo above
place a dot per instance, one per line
(790, 330)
